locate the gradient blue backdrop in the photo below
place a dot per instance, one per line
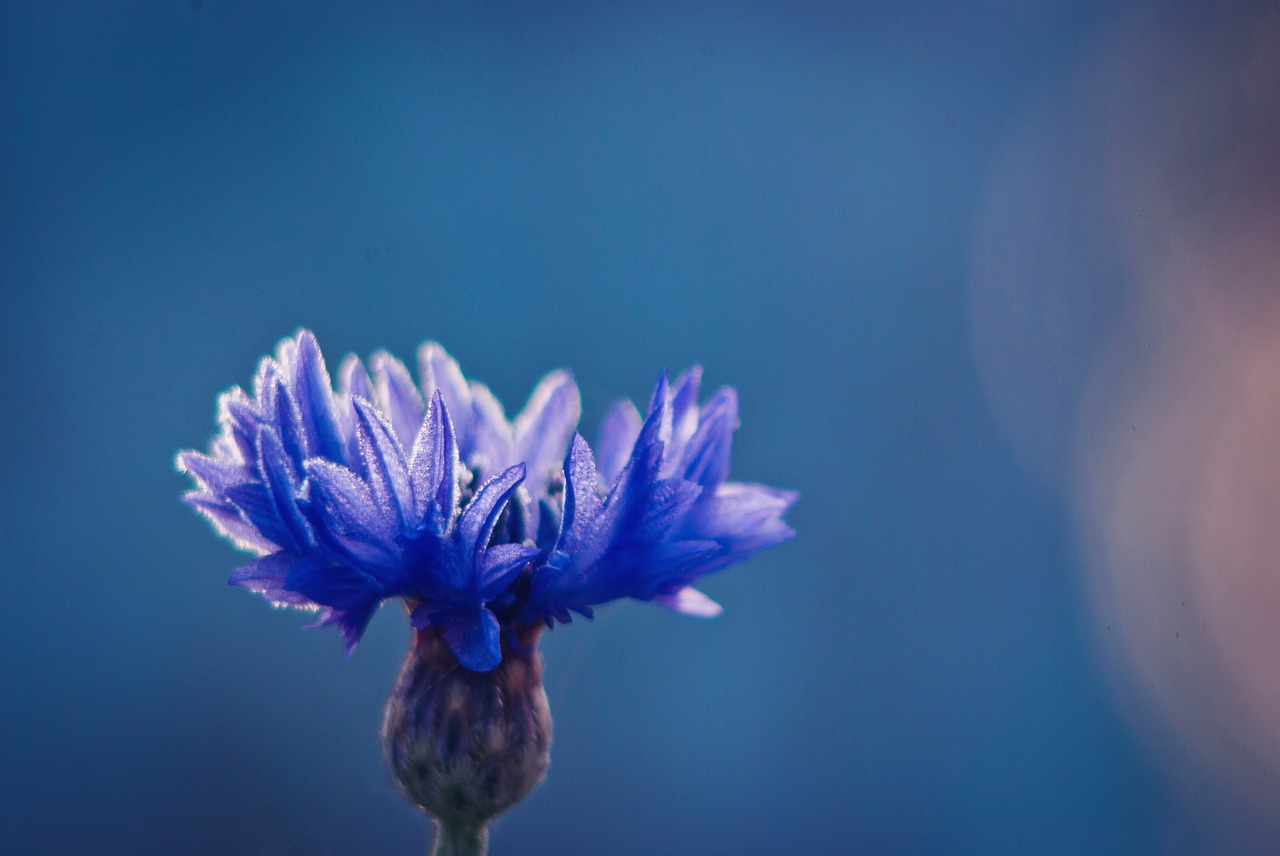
(784, 193)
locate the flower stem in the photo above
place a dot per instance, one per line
(460, 841)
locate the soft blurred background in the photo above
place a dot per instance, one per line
(997, 283)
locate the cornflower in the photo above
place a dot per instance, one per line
(487, 529)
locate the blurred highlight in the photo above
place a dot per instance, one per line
(1126, 317)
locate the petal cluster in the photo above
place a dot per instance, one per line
(384, 488)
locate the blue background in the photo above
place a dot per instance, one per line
(783, 193)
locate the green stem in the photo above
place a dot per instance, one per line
(460, 841)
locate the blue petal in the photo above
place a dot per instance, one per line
(384, 463)
(314, 393)
(549, 523)
(579, 571)
(499, 565)
(690, 601)
(661, 396)
(472, 632)
(286, 419)
(212, 474)
(440, 372)
(353, 383)
(474, 638)
(618, 432)
(666, 503)
(344, 515)
(626, 501)
(684, 411)
(229, 522)
(353, 380)
(645, 571)
(543, 428)
(264, 380)
(581, 502)
(477, 521)
(351, 623)
(433, 469)
(281, 481)
(266, 576)
(259, 509)
(744, 518)
(707, 456)
(491, 440)
(239, 418)
(398, 397)
(339, 587)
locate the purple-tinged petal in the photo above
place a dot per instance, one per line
(223, 448)
(266, 576)
(229, 522)
(738, 508)
(492, 445)
(353, 383)
(543, 428)
(314, 393)
(264, 381)
(661, 395)
(684, 412)
(439, 371)
(433, 469)
(548, 525)
(660, 406)
(212, 474)
(580, 542)
(646, 570)
(626, 501)
(345, 517)
(471, 631)
(690, 601)
(499, 564)
(338, 587)
(475, 639)
(287, 353)
(744, 518)
(256, 504)
(475, 526)
(286, 419)
(281, 481)
(384, 463)
(581, 502)
(667, 502)
(353, 380)
(556, 612)
(239, 418)
(351, 623)
(618, 433)
(398, 397)
(706, 459)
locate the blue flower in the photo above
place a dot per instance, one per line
(385, 489)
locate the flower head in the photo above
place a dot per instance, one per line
(384, 489)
